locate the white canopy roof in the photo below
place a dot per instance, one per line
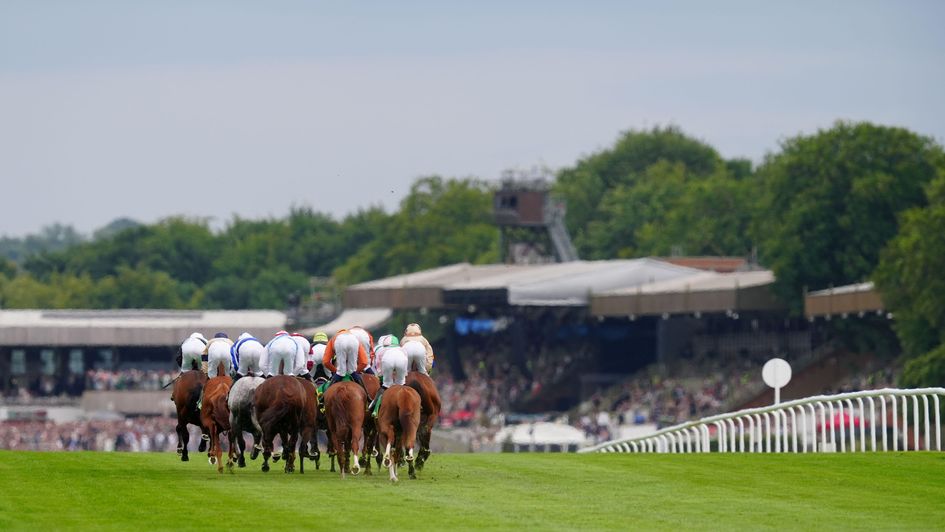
(369, 318)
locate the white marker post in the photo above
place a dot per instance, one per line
(776, 374)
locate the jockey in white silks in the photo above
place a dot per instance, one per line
(393, 364)
(282, 350)
(367, 341)
(218, 352)
(316, 353)
(301, 356)
(247, 356)
(350, 357)
(191, 350)
(420, 354)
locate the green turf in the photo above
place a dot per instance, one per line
(504, 491)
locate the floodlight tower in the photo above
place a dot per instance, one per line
(529, 218)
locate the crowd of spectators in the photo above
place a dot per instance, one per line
(129, 379)
(21, 389)
(137, 434)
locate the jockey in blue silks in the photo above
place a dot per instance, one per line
(248, 356)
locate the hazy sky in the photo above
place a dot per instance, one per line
(151, 109)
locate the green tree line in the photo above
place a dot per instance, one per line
(853, 202)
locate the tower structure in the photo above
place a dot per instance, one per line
(531, 221)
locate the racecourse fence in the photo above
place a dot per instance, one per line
(845, 422)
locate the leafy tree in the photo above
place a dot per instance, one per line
(909, 274)
(829, 202)
(925, 370)
(114, 227)
(617, 171)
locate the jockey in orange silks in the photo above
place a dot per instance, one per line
(368, 342)
(418, 349)
(349, 354)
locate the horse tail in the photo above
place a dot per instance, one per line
(220, 369)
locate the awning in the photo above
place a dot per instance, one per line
(847, 299)
(369, 318)
(706, 292)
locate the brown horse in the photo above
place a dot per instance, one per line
(430, 407)
(344, 407)
(371, 384)
(280, 402)
(215, 415)
(308, 443)
(397, 423)
(186, 394)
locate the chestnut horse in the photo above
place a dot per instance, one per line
(186, 394)
(429, 411)
(215, 415)
(397, 423)
(280, 402)
(371, 384)
(344, 408)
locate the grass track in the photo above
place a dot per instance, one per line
(126, 491)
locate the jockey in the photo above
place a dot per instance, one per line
(368, 342)
(282, 349)
(301, 355)
(247, 356)
(419, 355)
(315, 366)
(351, 357)
(218, 352)
(393, 363)
(190, 351)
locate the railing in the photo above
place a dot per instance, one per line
(793, 426)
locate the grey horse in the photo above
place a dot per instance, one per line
(240, 402)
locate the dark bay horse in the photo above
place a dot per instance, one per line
(344, 409)
(186, 393)
(241, 399)
(372, 385)
(308, 443)
(280, 402)
(397, 423)
(215, 415)
(430, 407)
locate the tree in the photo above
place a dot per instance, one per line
(638, 158)
(909, 274)
(829, 202)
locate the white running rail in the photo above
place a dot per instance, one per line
(846, 422)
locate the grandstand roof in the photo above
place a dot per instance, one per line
(558, 284)
(369, 318)
(703, 291)
(129, 327)
(847, 299)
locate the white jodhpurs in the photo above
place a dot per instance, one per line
(346, 353)
(219, 352)
(282, 350)
(191, 350)
(251, 358)
(416, 356)
(394, 366)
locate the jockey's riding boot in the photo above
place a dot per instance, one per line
(369, 370)
(377, 399)
(356, 377)
(335, 378)
(237, 377)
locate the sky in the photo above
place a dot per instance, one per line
(216, 109)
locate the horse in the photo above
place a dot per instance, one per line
(280, 402)
(344, 407)
(430, 407)
(241, 417)
(372, 385)
(186, 394)
(308, 443)
(397, 423)
(215, 415)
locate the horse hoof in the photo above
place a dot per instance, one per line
(265, 468)
(203, 446)
(213, 460)
(386, 462)
(184, 458)
(356, 470)
(241, 461)
(255, 454)
(276, 457)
